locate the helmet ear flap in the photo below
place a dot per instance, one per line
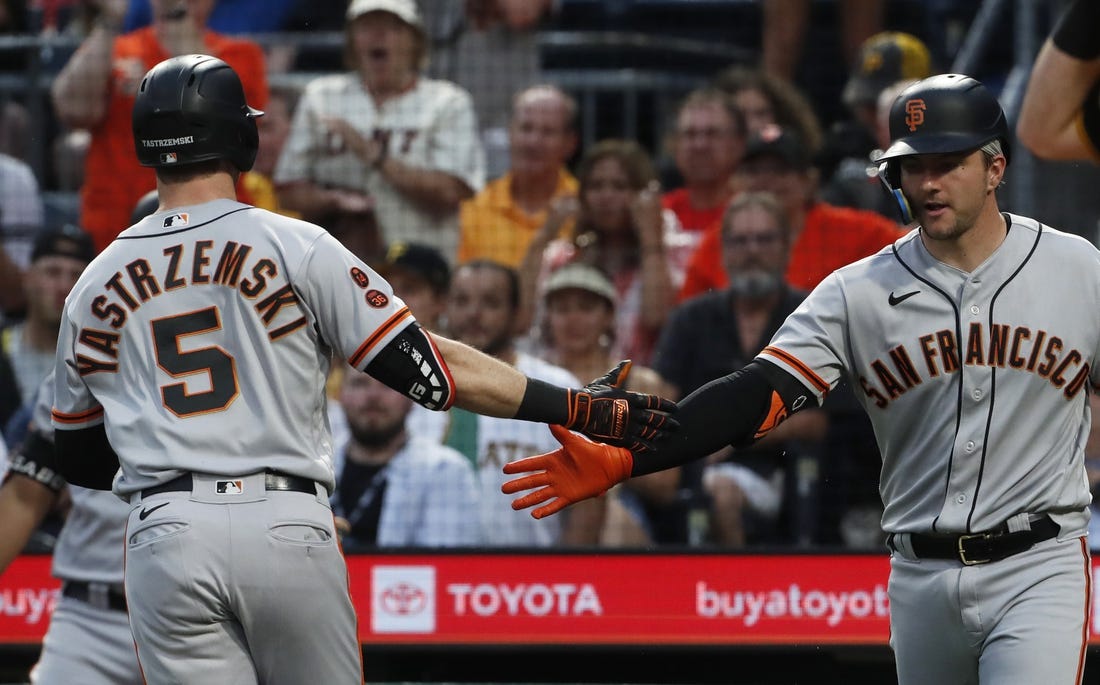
(903, 205)
(889, 174)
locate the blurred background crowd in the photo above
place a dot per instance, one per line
(558, 183)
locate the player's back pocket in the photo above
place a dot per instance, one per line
(156, 530)
(300, 532)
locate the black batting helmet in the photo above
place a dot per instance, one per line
(192, 109)
(940, 114)
(945, 113)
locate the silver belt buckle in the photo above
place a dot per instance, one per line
(962, 552)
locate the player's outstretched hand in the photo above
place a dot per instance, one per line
(603, 411)
(578, 470)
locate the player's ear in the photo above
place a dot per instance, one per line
(995, 173)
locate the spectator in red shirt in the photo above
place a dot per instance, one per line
(96, 88)
(823, 237)
(706, 145)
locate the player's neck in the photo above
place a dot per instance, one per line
(219, 186)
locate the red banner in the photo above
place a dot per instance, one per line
(654, 599)
(612, 599)
(27, 597)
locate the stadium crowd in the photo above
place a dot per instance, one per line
(434, 146)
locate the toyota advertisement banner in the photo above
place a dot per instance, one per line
(554, 599)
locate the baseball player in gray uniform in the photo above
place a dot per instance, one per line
(190, 375)
(969, 345)
(89, 640)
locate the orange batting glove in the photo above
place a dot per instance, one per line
(579, 470)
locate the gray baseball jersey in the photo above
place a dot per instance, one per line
(431, 126)
(940, 360)
(204, 334)
(201, 336)
(977, 387)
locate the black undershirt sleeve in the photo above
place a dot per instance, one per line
(732, 410)
(1090, 116)
(36, 459)
(1075, 33)
(85, 457)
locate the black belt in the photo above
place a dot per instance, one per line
(981, 548)
(272, 481)
(97, 594)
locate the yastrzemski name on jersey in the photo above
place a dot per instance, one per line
(213, 336)
(198, 263)
(1004, 346)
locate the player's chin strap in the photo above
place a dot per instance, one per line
(888, 175)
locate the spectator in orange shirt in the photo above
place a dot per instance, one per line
(823, 237)
(706, 145)
(500, 221)
(96, 88)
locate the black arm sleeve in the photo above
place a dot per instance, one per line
(411, 365)
(732, 410)
(36, 459)
(1075, 33)
(85, 458)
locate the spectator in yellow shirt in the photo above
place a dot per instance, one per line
(500, 221)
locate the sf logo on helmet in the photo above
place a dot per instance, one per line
(914, 114)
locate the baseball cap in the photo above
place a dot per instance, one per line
(886, 58)
(65, 241)
(775, 141)
(423, 260)
(581, 277)
(406, 10)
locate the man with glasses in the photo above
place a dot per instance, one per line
(715, 333)
(706, 144)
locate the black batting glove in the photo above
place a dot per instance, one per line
(603, 411)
